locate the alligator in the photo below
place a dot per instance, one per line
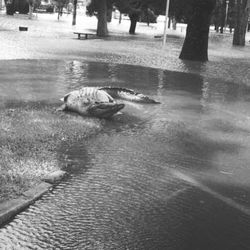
(100, 101)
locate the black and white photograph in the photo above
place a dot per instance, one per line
(124, 124)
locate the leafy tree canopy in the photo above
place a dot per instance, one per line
(92, 8)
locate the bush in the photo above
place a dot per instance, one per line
(148, 16)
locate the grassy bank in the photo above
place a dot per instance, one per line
(29, 142)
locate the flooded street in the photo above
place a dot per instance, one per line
(168, 176)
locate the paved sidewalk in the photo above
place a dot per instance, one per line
(48, 38)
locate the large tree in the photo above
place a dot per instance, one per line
(133, 8)
(196, 41)
(74, 12)
(60, 4)
(218, 15)
(197, 13)
(99, 8)
(224, 15)
(102, 28)
(242, 12)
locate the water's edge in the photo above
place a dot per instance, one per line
(10, 208)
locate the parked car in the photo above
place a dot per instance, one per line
(45, 7)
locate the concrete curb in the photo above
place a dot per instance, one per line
(10, 208)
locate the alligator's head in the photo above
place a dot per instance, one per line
(104, 110)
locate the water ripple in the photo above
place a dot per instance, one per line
(121, 192)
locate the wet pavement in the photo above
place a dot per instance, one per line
(48, 38)
(168, 176)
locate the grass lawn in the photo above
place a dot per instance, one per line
(29, 143)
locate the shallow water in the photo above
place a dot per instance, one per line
(168, 176)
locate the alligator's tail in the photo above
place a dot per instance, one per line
(128, 94)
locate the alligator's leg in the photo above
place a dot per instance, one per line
(62, 108)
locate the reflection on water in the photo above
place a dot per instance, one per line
(122, 193)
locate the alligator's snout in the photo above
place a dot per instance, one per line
(105, 110)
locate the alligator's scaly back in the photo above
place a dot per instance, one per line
(128, 94)
(91, 101)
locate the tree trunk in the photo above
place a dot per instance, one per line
(30, 11)
(16, 5)
(174, 24)
(196, 41)
(60, 11)
(109, 15)
(241, 22)
(120, 17)
(30, 8)
(102, 28)
(169, 22)
(133, 20)
(74, 12)
(222, 17)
